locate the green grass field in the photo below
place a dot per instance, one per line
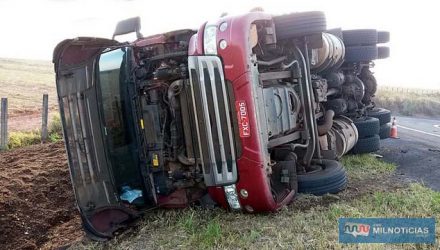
(309, 223)
(24, 82)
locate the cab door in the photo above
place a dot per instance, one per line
(86, 144)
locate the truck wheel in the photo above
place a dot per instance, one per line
(361, 53)
(299, 24)
(384, 115)
(359, 37)
(330, 179)
(339, 105)
(385, 131)
(383, 36)
(367, 126)
(366, 145)
(383, 52)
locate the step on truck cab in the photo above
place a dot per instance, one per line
(231, 113)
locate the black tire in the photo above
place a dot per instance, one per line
(299, 24)
(367, 126)
(383, 36)
(361, 53)
(339, 106)
(383, 52)
(384, 115)
(385, 131)
(331, 179)
(366, 145)
(359, 37)
(336, 32)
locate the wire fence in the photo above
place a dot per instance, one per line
(410, 90)
(4, 121)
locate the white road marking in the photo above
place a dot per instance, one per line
(436, 126)
(416, 130)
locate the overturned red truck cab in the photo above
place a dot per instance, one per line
(234, 113)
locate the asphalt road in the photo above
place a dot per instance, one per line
(417, 152)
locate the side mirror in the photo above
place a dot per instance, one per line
(127, 26)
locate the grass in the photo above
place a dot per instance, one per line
(309, 223)
(409, 103)
(20, 139)
(354, 164)
(24, 82)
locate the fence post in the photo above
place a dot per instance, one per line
(44, 118)
(4, 124)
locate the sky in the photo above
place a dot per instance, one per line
(30, 29)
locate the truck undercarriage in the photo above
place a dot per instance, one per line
(246, 112)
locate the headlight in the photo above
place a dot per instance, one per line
(210, 40)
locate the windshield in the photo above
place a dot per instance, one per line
(117, 118)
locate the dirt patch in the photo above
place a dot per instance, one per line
(36, 199)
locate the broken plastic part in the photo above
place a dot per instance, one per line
(129, 194)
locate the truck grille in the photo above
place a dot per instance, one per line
(212, 120)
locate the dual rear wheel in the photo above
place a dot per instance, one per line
(361, 45)
(372, 129)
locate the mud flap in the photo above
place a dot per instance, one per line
(102, 224)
